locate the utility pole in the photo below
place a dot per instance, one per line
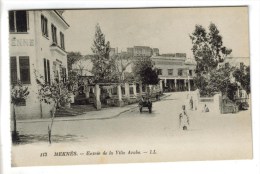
(188, 80)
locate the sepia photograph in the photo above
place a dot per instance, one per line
(129, 85)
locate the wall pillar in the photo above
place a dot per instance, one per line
(141, 89)
(188, 84)
(87, 89)
(127, 91)
(134, 89)
(175, 84)
(97, 97)
(217, 104)
(161, 86)
(119, 94)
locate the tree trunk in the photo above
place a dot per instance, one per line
(15, 137)
(14, 120)
(52, 120)
(41, 109)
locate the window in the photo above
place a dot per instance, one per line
(114, 91)
(131, 90)
(24, 69)
(64, 75)
(190, 72)
(44, 24)
(143, 88)
(179, 72)
(137, 88)
(24, 65)
(13, 70)
(54, 34)
(159, 71)
(18, 21)
(47, 78)
(123, 90)
(170, 72)
(62, 45)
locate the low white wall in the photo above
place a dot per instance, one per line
(213, 103)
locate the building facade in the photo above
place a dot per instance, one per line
(175, 73)
(37, 43)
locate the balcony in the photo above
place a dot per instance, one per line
(56, 48)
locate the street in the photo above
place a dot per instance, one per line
(209, 137)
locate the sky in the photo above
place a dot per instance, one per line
(165, 28)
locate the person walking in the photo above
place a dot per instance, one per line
(191, 103)
(184, 120)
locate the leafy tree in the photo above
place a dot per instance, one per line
(242, 75)
(55, 94)
(122, 61)
(103, 65)
(220, 81)
(209, 51)
(129, 77)
(19, 93)
(201, 82)
(208, 48)
(73, 57)
(144, 71)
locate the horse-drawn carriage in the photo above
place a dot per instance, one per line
(145, 102)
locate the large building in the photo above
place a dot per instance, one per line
(175, 71)
(37, 42)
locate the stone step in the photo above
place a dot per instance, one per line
(74, 110)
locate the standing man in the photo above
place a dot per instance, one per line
(184, 120)
(191, 103)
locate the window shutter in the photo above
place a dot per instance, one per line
(21, 21)
(27, 19)
(46, 27)
(54, 34)
(48, 71)
(45, 70)
(42, 24)
(11, 21)
(13, 70)
(24, 69)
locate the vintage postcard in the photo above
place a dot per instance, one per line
(98, 86)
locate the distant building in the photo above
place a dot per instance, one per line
(113, 51)
(130, 51)
(174, 55)
(156, 52)
(37, 42)
(235, 61)
(145, 51)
